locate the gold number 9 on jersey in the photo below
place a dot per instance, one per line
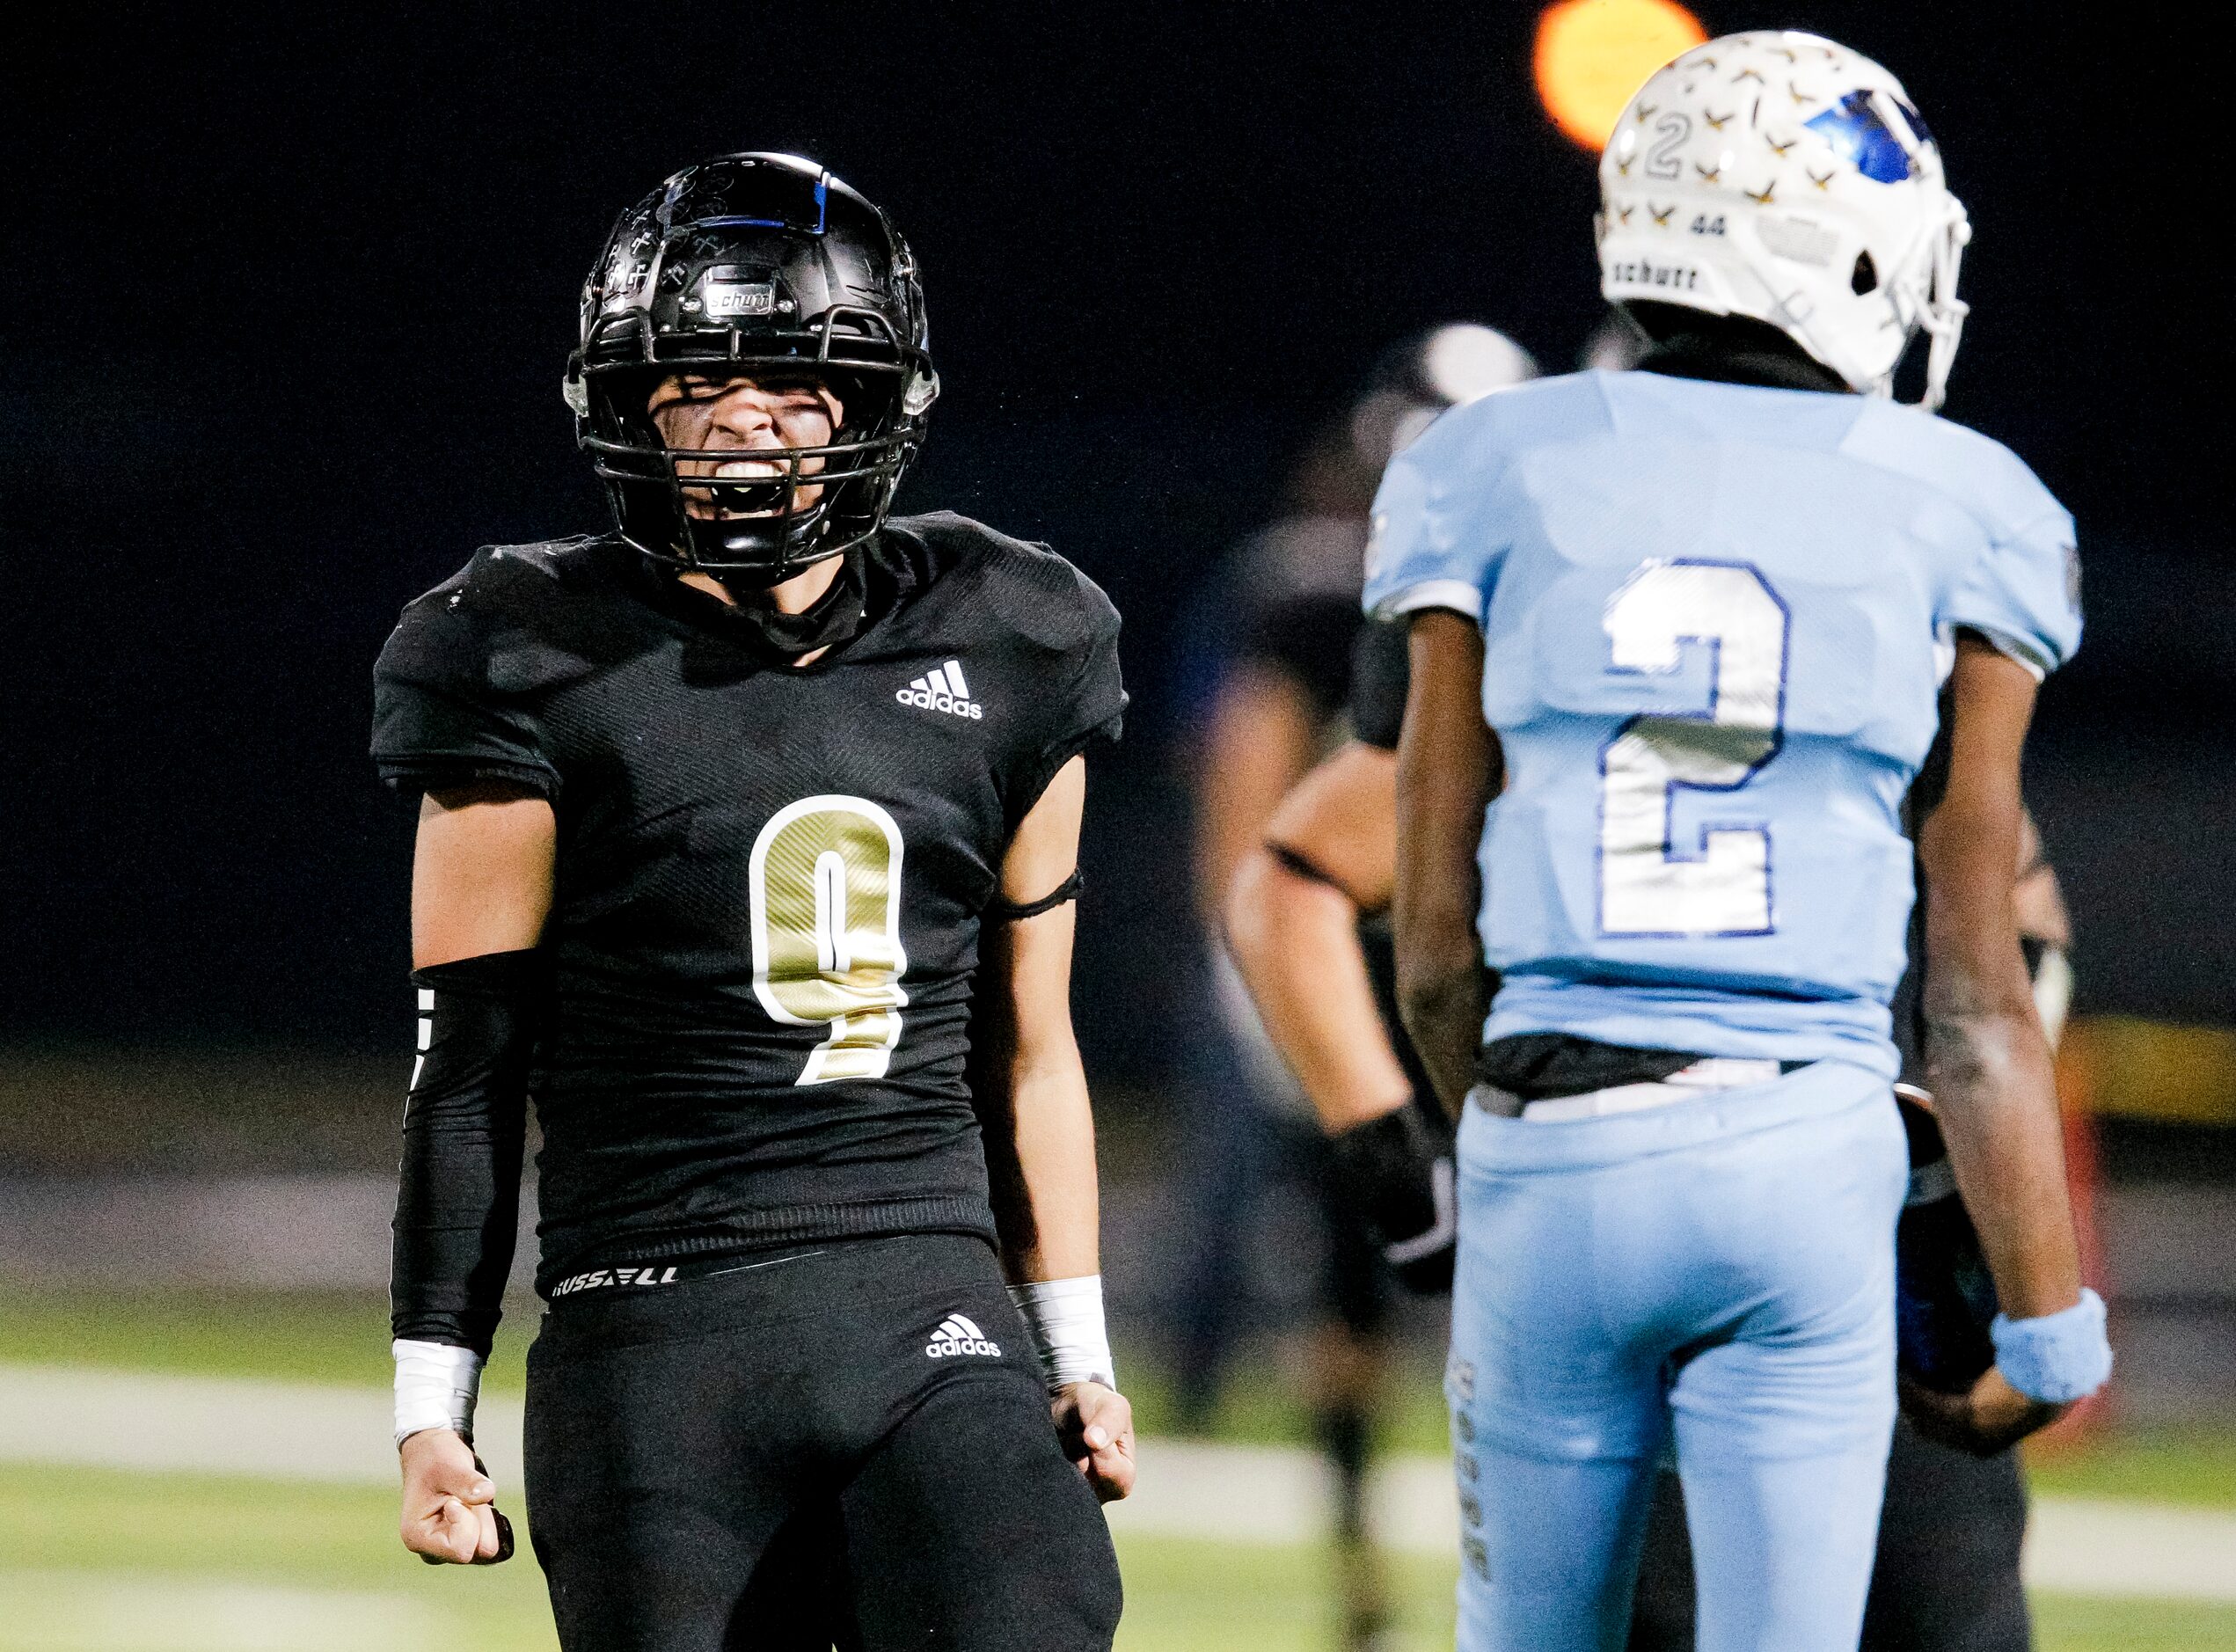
(826, 889)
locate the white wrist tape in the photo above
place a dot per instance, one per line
(436, 1386)
(1065, 1317)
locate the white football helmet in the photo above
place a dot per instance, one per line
(1781, 177)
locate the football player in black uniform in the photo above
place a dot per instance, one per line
(1946, 1578)
(747, 845)
(1284, 612)
(1296, 917)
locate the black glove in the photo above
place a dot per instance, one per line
(1395, 1173)
(1944, 1296)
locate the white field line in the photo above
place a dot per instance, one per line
(1231, 1493)
(85, 1418)
(76, 1611)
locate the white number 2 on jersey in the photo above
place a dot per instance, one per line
(1721, 885)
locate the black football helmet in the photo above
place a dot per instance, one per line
(746, 263)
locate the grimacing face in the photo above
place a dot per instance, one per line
(746, 414)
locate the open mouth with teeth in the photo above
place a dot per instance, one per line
(737, 489)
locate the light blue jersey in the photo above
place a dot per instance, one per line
(1715, 618)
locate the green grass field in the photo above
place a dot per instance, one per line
(116, 1562)
(105, 1561)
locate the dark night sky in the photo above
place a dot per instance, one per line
(291, 307)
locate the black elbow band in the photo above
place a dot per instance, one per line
(1304, 866)
(1008, 911)
(457, 1201)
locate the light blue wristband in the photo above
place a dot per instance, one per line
(2057, 1359)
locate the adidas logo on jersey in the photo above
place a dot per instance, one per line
(957, 1336)
(941, 690)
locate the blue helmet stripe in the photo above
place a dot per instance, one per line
(1854, 127)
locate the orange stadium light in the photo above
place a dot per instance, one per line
(1592, 54)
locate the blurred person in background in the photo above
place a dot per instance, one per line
(1676, 638)
(1276, 633)
(1616, 346)
(748, 839)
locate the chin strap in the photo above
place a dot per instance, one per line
(833, 618)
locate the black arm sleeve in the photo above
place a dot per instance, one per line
(1380, 674)
(458, 1198)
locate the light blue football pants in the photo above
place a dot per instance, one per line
(1717, 1273)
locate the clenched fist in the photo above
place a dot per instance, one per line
(450, 1503)
(1096, 1425)
(1989, 1418)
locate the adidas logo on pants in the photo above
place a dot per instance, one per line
(958, 1335)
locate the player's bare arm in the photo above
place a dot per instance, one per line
(482, 862)
(2041, 902)
(1988, 1061)
(1447, 771)
(1258, 740)
(1032, 1096)
(1328, 856)
(481, 885)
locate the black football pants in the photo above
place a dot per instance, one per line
(1946, 1578)
(776, 1459)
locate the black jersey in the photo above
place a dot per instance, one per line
(770, 879)
(1381, 674)
(1289, 599)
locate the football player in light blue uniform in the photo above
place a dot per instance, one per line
(1687, 626)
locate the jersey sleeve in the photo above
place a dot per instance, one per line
(1380, 675)
(1090, 705)
(2023, 593)
(1306, 639)
(440, 717)
(1428, 546)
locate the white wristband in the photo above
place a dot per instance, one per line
(1065, 1317)
(436, 1386)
